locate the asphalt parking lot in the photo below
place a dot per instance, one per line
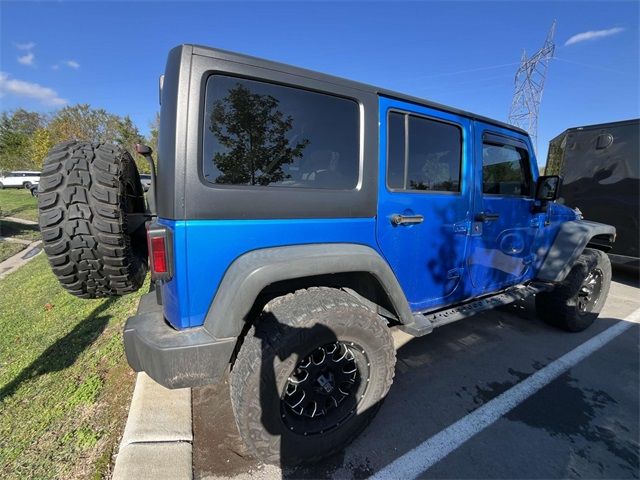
(583, 424)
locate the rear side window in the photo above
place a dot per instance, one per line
(258, 133)
(423, 154)
(505, 169)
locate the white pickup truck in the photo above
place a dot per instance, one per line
(19, 179)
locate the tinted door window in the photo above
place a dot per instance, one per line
(428, 158)
(505, 170)
(258, 133)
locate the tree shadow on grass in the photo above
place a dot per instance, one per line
(16, 229)
(65, 351)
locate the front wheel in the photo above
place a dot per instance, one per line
(310, 376)
(574, 304)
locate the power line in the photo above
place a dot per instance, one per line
(529, 85)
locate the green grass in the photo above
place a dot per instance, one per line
(18, 203)
(65, 386)
(9, 249)
(19, 230)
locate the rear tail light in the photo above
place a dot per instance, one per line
(160, 251)
(158, 255)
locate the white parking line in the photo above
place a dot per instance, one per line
(416, 461)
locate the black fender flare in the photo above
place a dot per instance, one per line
(250, 273)
(570, 241)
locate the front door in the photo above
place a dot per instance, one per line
(504, 223)
(424, 200)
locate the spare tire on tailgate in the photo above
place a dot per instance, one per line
(91, 211)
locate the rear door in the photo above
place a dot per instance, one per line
(424, 200)
(504, 225)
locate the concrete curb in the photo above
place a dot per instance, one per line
(158, 436)
(19, 220)
(15, 240)
(11, 264)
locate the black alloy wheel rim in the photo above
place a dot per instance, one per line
(325, 388)
(589, 293)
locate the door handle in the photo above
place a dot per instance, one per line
(398, 219)
(487, 217)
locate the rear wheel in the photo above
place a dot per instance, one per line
(91, 208)
(310, 376)
(574, 304)
(27, 185)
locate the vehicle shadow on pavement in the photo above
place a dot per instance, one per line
(626, 275)
(64, 352)
(483, 357)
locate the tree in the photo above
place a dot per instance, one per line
(252, 130)
(81, 122)
(152, 141)
(26, 137)
(127, 138)
(16, 130)
(39, 146)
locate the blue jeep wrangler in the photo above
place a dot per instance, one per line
(295, 220)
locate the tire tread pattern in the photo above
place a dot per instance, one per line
(82, 219)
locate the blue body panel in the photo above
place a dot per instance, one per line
(427, 258)
(502, 252)
(448, 258)
(204, 249)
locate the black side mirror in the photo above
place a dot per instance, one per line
(548, 188)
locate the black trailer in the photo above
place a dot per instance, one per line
(600, 165)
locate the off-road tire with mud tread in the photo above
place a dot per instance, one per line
(269, 354)
(86, 192)
(558, 307)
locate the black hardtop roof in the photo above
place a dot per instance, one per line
(282, 67)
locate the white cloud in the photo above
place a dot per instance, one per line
(27, 59)
(25, 46)
(593, 35)
(72, 64)
(20, 88)
(66, 63)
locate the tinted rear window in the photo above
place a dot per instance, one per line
(258, 133)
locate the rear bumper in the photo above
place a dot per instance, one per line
(173, 358)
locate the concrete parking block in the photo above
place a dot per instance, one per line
(154, 461)
(158, 414)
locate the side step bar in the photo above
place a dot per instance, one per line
(424, 323)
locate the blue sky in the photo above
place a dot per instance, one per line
(464, 54)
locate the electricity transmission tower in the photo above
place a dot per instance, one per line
(529, 84)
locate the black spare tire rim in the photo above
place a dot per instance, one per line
(325, 388)
(589, 293)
